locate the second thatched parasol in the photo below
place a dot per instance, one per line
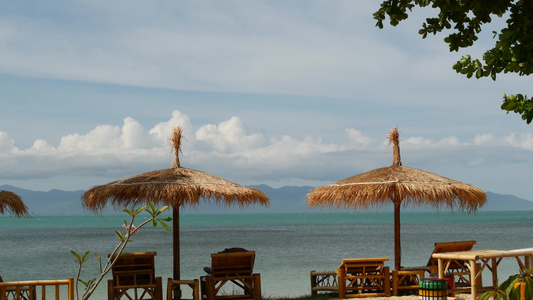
(175, 187)
(397, 184)
(12, 204)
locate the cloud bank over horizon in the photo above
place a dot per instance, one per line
(229, 150)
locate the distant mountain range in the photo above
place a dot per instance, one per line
(287, 199)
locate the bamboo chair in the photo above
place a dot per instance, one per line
(324, 281)
(234, 268)
(408, 278)
(134, 278)
(363, 277)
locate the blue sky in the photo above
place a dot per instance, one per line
(268, 92)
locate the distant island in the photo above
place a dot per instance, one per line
(287, 199)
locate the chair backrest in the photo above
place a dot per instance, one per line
(450, 247)
(134, 269)
(362, 265)
(232, 263)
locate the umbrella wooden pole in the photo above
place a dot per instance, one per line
(176, 248)
(397, 243)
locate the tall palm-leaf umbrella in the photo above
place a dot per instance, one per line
(397, 184)
(11, 203)
(175, 187)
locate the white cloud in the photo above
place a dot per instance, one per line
(523, 141)
(449, 141)
(229, 136)
(133, 135)
(6, 142)
(416, 142)
(482, 139)
(161, 131)
(41, 147)
(103, 137)
(357, 138)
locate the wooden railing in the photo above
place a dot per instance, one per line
(28, 290)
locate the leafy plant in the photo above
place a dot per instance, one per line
(496, 294)
(516, 287)
(131, 229)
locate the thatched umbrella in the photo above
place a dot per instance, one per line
(175, 187)
(397, 184)
(11, 203)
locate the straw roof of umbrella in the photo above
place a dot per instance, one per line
(11, 203)
(176, 186)
(399, 185)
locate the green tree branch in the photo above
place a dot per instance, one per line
(513, 49)
(90, 285)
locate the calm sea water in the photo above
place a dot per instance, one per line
(288, 246)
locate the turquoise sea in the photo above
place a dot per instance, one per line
(288, 246)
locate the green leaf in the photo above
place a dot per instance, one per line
(138, 211)
(76, 255)
(86, 256)
(120, 235)
(165, 226)
(479, 73)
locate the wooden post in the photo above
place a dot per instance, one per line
(397, 243)
(176, 248)
(110, 290)
(495, 264)
(342, 283)
(473, 272)
(313, 283)
(70, 288)
(386, 281)
(440, 263)
(257, 286)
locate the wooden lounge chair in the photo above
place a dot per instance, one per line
(408, 278)
(324, 281)
(134, 277)
(235, 268)
(363, 277)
